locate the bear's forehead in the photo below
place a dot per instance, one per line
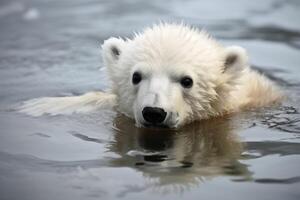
(170, 36)
(176, 45)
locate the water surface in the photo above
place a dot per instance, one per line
(52, 48)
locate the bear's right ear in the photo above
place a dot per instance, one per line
(236, 60)
(112, 50)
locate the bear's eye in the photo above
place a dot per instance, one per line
(136, 78)
(186, 82)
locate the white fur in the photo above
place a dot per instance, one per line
(68, 105)
(164, 54)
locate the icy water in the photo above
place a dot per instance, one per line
(52, 48)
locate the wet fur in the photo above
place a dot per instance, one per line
(224, 81)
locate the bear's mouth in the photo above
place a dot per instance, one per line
(159, 126)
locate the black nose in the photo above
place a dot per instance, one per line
(154, 115)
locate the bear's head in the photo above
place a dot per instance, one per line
(170, 75)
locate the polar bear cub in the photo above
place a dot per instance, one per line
(167, 76)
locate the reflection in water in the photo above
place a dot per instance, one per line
(182, 157)
(168, 160)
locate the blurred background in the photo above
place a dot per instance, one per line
(58, 42)
(53, 48)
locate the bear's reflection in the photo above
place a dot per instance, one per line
(179, 157)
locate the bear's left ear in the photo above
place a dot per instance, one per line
(236, 60)
(112, 50)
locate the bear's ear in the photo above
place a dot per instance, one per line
(112, 49)
(236, 59)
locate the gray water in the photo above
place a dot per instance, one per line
(52, 48)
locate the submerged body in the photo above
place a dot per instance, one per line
(168, 76)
